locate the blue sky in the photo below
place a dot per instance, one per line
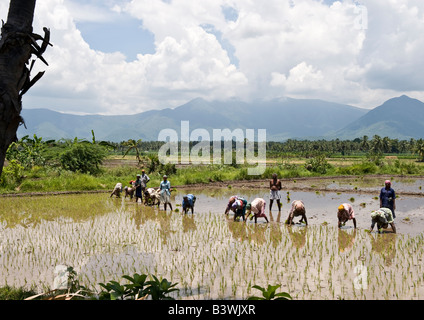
(130, 56)
(108, 37)
(118, 31)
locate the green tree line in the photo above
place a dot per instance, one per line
(87, 156)
(364, 145)
(37, 164)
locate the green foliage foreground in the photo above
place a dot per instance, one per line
(137, 288)
(270, 293)
(11, 293)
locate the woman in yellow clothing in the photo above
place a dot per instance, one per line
(346, 213)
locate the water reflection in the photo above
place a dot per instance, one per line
(257, 233)
(297, 235)
(276, 234)
(346, 240)
(384, 245)
(142, 214)
(188, 223)
(271, 217)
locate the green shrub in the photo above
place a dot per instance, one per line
(244, 175)
(293, 173)
(12, 175)
(409, 168)
(83, 157)
(318, 164)
(268, 173)
(167, 169)
(359, 169)
(217, 176)
(28, 152)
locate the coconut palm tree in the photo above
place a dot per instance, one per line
(419, 149)
(403, 146)
(386, 144)
(412, 143)
(365, 144)
(17, 45)
(377, 144)
(133, 145)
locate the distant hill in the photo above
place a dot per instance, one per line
(401, 118)
(282, 118)
(398, 118)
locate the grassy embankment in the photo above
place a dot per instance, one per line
(45, 179)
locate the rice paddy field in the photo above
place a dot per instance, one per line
(213, 257)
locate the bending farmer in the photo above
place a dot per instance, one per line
(382, 217)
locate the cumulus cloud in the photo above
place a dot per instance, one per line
(302, 79)
(393, 46)
(339, 51)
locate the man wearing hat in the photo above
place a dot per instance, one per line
(388, 197)
(144, 180)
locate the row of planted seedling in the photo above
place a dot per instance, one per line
(213, 257)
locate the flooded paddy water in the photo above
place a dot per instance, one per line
(213, 257)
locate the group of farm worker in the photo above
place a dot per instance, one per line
(164, 189)
(256, 208)
(383, 217)
(139, 186)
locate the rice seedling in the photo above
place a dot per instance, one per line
(216, 259)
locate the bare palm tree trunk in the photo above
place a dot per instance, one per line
(17, 44)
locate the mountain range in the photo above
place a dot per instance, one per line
(398, 118)
(285, 118)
